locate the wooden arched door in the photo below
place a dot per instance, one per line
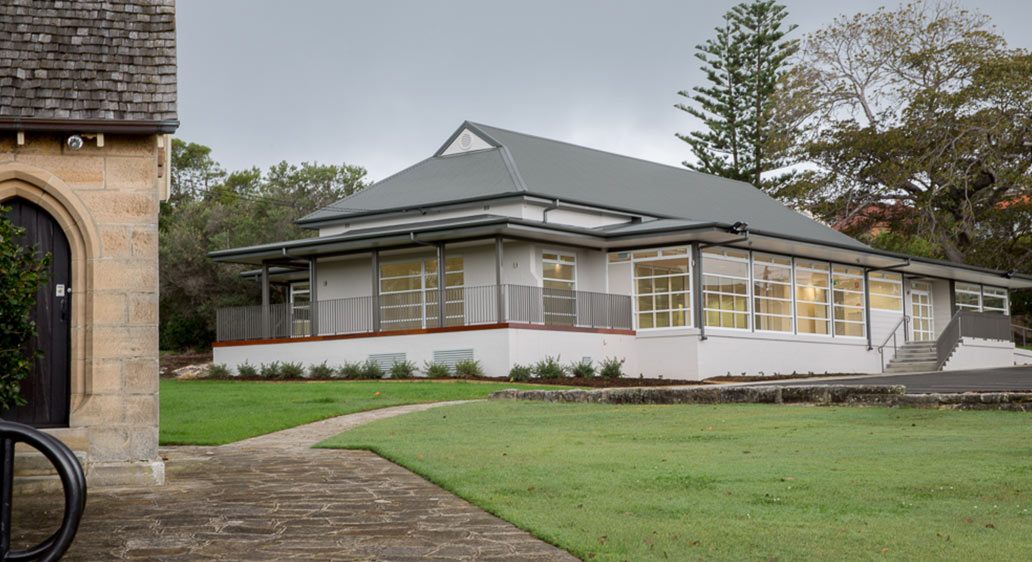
(47, 389)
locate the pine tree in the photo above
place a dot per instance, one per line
(743, 64)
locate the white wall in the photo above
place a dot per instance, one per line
(974, 353)
(725, 352)
(1022, 356)
(941, 309)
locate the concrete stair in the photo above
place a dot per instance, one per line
(914, 357)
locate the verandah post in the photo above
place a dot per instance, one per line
(313, 297)
(440, 284)
(867, 307)
(266, 313)
(697, 290)
(500, 295)
(376, 290)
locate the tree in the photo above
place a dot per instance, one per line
(235, 209)
(926, 110)
(194, 171)
(743, 136)
(22, 271)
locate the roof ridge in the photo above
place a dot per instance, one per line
(599, 150)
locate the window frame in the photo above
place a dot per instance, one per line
(689, 308)
(424, 289)
(545, 261)
(747, 280)
(862, 307)
(882, 277)
(791, 292)
(828, 298)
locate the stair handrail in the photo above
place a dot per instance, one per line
(948, 340)
(1025, 331)
(73, 481)
(892, 336)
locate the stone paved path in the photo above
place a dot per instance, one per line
(274, 498)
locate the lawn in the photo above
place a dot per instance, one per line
(732, 482)
(198, 412)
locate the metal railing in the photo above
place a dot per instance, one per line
(903, 322)
(1022, 335)
(970, 324)
(463, 306)
(72, 479)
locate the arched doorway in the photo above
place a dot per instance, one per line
(47, 389)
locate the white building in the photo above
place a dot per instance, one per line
(555, 249)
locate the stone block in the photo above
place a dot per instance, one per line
(130, 145)
(132, 275)
(143, 308)
(99, 411)
(145, 242)
(115, 242)
(130, 173)
(109, 309)
(141, 410)
(109, 443)
(141, 375)
(124, 342)
(143, 441)
(119, 207)
(107, 377)
(79, 171)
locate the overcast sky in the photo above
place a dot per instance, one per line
(382, 84)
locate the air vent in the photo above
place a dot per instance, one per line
(452, 356)
(387, 360)
(465, 140)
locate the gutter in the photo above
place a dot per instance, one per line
(139, 127)
(552, 207)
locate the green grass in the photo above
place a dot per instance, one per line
(732, 482)
(198, 412)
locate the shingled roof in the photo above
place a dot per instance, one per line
(110, 66)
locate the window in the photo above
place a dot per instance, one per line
(772, 293)
(886, 291)
(994, 299)
(848, 298)
(559, 280)
(968, 296)
(812, 284)
(662, 286)
(726, 287)
(979, 298)
(300, 308)
(408, 293)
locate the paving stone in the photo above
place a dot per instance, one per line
(275, 498)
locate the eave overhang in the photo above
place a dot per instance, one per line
(712, 233)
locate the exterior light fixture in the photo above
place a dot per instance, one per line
(75, 142)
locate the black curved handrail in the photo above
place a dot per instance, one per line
(72, 479)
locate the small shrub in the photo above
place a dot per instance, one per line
(519, 373)
(320, 371)
(372, 370)
(269, 370)
(549, 368)
(583, 369)
(403, 370)
(436, 370)
(350, 370)
(219, 371)
(468, 368)
(612, 368)
(291, 371)
(247, 370)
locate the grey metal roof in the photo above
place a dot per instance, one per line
(530, 165)
(88, 60)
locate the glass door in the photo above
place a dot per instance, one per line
(922, 327)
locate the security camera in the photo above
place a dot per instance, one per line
(740, 227)
(75, 142)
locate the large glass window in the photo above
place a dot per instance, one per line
(408, 293)
(968, 296)
(662, 281)
(812, 297)
(726, 287)
(772, 293)
(886, 290)
(848, 298)
(994, 299)
(559, 279)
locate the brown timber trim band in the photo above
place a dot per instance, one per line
(88, 125)
(500, 326)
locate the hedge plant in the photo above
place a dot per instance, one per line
(22, 271)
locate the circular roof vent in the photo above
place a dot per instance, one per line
(465, 140)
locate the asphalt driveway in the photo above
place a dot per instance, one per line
(978, 380)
